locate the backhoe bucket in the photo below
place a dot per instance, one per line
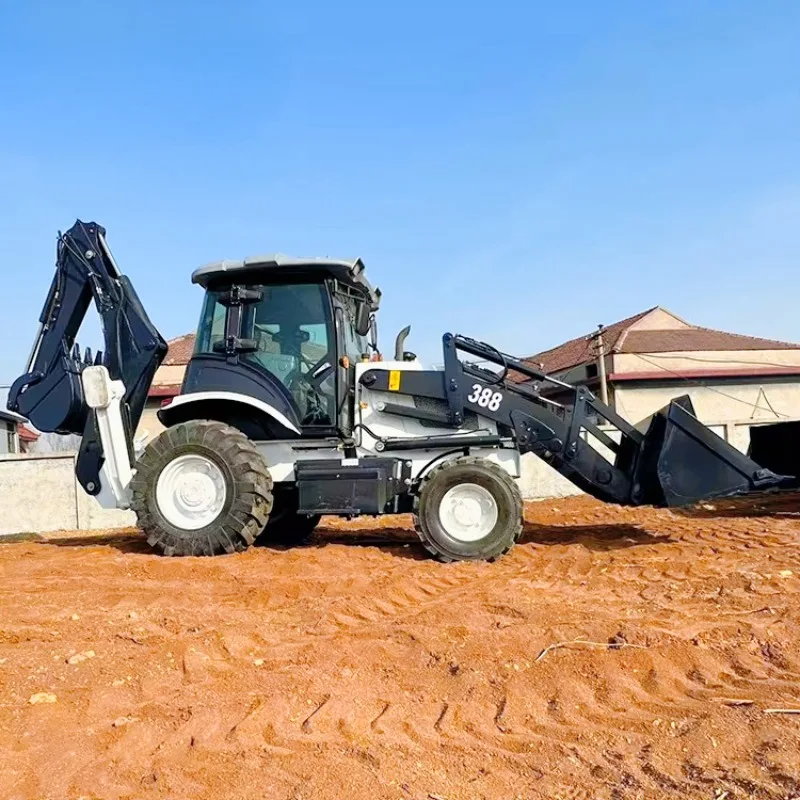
(777, 447)
(682, 461)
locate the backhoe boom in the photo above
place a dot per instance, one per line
(50, 393)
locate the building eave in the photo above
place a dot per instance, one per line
(165, 390)
(704, 374)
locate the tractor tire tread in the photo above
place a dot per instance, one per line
(499, 473)
(251, 482)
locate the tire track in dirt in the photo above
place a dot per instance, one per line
(406, 597)
(243, 674)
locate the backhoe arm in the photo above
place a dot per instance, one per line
(51, 392)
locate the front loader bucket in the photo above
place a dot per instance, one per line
(682, 461)
(777, 447)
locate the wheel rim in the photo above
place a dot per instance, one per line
(191, 492)
(468, 512)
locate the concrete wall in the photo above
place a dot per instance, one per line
(169, 375)
(540, 481)
(8, 437)
(724, 360)
(39, 493)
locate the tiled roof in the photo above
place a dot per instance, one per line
(694, 339)
(577, 351)
(180, 350)
(619, 338)
(26, 434)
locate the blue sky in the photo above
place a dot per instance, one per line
(518, 172)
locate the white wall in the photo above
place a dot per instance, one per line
(718, 402)
(539, 480)
(39, 493)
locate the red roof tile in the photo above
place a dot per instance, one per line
(180, 350)
(619, 338)
(577, 351)
(26, 434)
(683, 340)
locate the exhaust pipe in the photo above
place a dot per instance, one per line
(400, 343)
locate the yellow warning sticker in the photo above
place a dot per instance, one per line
(394, 380)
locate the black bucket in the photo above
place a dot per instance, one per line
(682, 461)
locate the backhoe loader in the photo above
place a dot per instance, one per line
(287, 413)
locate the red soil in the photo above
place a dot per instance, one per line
(359, 668)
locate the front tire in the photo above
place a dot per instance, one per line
(469, 509)
(201, 488)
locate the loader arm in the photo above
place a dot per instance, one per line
(677, 461)
(51, 392)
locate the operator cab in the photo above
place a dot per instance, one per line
(282, 334)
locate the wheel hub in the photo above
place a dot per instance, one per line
(190, 492)
(468, 512)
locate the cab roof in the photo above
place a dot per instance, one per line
(277, 267)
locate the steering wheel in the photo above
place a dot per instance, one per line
(317, 372)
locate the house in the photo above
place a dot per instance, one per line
(15, 436)
(734, 381)
(166, 383)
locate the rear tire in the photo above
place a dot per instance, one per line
(201, 488)
(469, 509)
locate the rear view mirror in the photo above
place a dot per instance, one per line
(362, 319)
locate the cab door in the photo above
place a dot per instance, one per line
(351, 348)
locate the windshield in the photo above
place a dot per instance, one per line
(292, 328)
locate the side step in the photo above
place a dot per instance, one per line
(682, 461)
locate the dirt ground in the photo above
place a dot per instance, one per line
(358, 668)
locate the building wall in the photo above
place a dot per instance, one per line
(39, 493)
(659, 319)
(169, 374)
(539, 480)
(166, 376)
(717, 401)
(729, 409)
(7, 436)
(704, 360)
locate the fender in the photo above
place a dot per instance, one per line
(194, 397)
